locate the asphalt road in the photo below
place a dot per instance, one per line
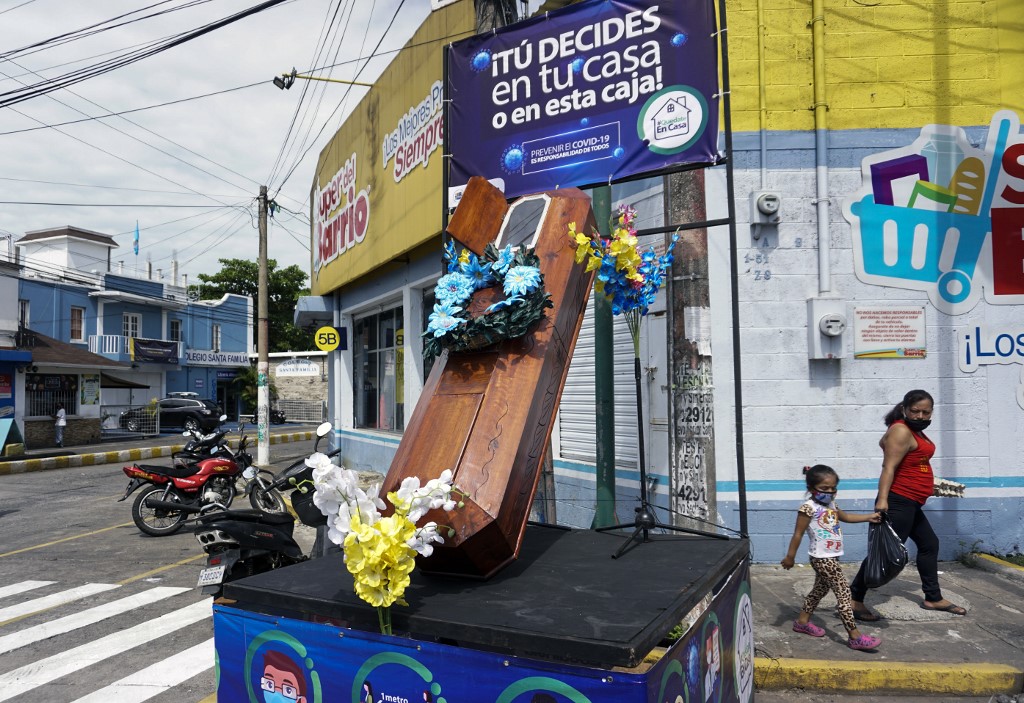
(91, 609)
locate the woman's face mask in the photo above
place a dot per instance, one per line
(917, 425)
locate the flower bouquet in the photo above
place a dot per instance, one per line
(380, 552)
(451, 326)
(628, 278)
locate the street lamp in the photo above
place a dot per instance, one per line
(286, 80)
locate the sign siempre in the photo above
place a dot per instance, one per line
(327, 339)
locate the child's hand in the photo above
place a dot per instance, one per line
(787, 562)
(875, 517)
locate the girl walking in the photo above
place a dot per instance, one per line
(819, 517)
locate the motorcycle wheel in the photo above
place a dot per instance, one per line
(267, 500)
(156, 522)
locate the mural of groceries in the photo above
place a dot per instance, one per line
(945, 217)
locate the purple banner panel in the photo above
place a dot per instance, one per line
(597, 91)
(260, 656)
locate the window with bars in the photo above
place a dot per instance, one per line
(23, 317)
(77, 324)
(215, 333)
(43, 391)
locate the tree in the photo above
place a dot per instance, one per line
(246, 384)
(285, 286)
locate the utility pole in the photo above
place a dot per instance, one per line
(263, 345)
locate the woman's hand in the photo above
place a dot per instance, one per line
(787, 562)
(881, 505)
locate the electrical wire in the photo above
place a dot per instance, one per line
(16, 96)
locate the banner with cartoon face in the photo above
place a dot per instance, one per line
(587, 94)
(264, 659)
(944, 216)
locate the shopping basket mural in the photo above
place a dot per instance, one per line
(945, 217)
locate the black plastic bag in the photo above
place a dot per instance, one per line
(887, 555)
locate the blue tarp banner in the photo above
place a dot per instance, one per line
(259, 655)
(598, 91)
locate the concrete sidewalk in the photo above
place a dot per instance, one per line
(135, 449)
(922, 652)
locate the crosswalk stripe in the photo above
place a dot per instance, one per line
(86, 617)
(15, 588)
(156, 678)
(24, 679)
(51, 601)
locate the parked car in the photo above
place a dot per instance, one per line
(175, 413)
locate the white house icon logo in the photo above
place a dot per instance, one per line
(672, 119)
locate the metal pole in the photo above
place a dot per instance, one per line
(734, 272)
(604, 381)
(263, 343)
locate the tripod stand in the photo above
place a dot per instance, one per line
(646, 520)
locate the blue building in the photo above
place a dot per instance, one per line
(157, 340)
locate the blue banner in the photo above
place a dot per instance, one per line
(598, 91)
(262, 658)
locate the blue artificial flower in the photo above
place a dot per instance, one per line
(521, 280)
(477, 271)
(454, 288)
(502, 304)
(444, 319)
(451, 257)
(504, 260)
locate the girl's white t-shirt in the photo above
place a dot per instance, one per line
(824, 534)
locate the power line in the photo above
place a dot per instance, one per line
(89, 185)
(22, 94)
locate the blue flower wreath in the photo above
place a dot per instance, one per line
(450, 325)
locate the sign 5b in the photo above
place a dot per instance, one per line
(331, 338)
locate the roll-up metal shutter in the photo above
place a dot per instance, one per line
(577, 424)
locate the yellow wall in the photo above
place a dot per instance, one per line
(403, 214)
(889, 64)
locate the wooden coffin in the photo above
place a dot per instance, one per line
(488, 415)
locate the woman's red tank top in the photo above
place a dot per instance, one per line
(914, 478)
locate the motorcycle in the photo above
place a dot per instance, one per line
(195, 481)
(241, 543)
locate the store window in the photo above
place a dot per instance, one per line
(43, 391)
(77, 324)
(378, 381)
(23, 318)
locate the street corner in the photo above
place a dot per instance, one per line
(995, 565)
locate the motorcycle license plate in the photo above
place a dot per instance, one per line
(211, 575)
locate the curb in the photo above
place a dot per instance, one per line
(995, 565)
(893, 677)
(123, 455)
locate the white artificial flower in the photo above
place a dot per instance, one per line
(424, 538)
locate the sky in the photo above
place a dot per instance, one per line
(187, 173)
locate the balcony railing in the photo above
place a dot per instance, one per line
(115, 345)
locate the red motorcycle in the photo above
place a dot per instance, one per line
(173, 492)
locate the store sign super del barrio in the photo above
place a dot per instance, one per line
(342, 215)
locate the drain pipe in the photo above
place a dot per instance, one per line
(820, 108)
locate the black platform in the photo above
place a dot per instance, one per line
(564, 599)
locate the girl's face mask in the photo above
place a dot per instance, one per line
(823, 498)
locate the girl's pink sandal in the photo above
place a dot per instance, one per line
(864, 643)
(808, 628)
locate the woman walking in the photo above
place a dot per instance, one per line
(905, 485)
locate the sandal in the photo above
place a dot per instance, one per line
(808, 628)
(867, 616)
(864, 642)
(951, 608)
